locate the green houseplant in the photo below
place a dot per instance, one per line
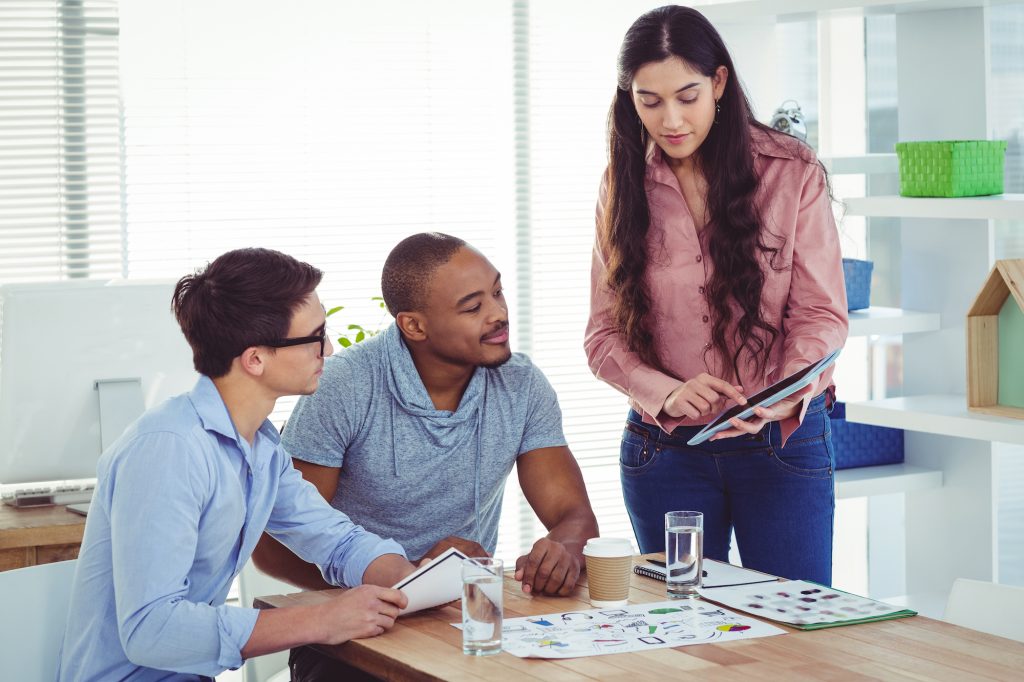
(356, 333)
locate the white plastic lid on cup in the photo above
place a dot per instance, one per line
(608, 547)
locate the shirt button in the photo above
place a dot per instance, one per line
(705, 318)
(699, 258)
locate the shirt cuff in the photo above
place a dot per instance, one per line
(790, 424)
(235, 626)
(651, 399)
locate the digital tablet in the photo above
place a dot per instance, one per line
(769, 396)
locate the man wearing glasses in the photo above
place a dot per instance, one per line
(183, 496)
(415, 431)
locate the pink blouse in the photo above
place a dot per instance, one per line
(805, 299)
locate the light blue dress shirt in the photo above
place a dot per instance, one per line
(180, 502)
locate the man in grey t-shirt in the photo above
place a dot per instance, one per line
(413, 432)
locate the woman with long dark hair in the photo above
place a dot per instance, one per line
(716, 272)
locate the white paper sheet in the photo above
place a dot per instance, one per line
(636, 627)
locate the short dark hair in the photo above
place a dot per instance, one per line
(244, 298)
(410, 266)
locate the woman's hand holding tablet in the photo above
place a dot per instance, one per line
(794, 388)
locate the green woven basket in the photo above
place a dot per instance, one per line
(951, 168)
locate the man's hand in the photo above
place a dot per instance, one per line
(467, 547)
(364, 611)
(785, 408)
(549, 568)
(701, 396)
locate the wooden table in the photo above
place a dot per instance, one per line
(425, 646)
(39, 535)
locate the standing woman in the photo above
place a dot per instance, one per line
(716, 272)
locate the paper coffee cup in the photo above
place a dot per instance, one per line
(609, 567)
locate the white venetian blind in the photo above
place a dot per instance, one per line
(60, 174)
(328, 130)
(566, 54)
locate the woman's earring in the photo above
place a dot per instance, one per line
(718, 110)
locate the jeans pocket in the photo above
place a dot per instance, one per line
(811, 457)
(635, 452)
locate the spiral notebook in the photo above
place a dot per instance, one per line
(435, 583)
(716, 574)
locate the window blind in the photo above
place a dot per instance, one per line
(60, 171)
(327, 130)
(566, 52)
(333, 145)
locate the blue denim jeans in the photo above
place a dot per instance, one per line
(779, 500)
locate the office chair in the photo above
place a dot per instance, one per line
(36, 601)
(987, 607)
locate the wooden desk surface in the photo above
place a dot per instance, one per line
(425, 646)
(38, 535)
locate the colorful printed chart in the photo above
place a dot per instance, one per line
(637, 627)
(805, 605)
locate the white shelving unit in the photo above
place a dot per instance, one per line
(947, 250)
(886, 479)
(938, 516)
(999, 207)
(941, 415)
(878, 320)
(861, 164)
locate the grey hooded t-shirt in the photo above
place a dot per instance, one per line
(411, 472)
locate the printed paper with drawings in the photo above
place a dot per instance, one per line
(637, 627)
(805, 605)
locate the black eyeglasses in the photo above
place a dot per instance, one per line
(320, 338)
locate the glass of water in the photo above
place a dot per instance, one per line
(482, 585)
(684, 552)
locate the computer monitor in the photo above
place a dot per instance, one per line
(65, 349)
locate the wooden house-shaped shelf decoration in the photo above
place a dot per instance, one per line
(995, 343)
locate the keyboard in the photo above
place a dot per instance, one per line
(51, 495)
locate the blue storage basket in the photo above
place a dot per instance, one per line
(857, 274)
(863, 445)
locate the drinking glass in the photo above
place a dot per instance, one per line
(684, 551)
(482, 585)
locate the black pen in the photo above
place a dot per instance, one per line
(658, 562)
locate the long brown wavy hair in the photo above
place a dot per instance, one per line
(736, 238)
